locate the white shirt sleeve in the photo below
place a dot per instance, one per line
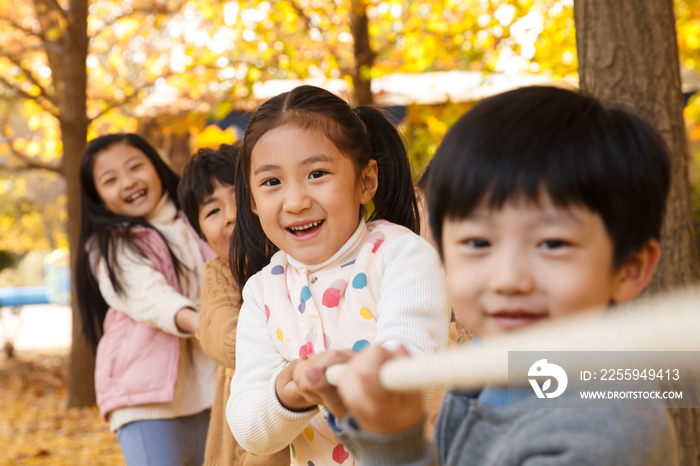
(414, 307)
(146, 297)
(259, 422)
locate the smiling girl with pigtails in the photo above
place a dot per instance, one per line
(326, 252)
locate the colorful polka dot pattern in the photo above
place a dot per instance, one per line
(360, 345)
(339, 454)
(309, 433)
(305, 296)
(360, 281)
(316, 311)
(332, 295)
(308, 348)
(376, 239)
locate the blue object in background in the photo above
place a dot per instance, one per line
(57, 277)
(57, 288)
(24, 296)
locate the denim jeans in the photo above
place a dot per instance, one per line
(165, 442)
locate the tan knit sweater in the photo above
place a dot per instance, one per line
(217, 332)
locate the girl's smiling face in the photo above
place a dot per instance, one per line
(306, 192)
(127, 181)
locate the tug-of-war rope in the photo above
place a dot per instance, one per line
(669, 322)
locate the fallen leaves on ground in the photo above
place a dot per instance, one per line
(36, 428)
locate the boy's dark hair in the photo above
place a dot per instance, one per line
(513, 144)
(204, 168)
(110, 231)
(361, 133)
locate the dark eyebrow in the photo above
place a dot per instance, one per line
(138, 156)
(553, 217)
(306, 161)
(127, 162)
(265, 168)
(105, 173)
(208, 200)
(317, 158)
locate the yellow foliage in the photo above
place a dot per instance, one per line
(695, 134)
(33, 148)
(208, 54)
(213, 136)
(435, 126)
(20, 144)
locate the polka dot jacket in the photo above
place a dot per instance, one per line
(384, 286)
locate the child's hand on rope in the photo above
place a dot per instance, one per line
(375, 409)
(310, 378)
(287, 391)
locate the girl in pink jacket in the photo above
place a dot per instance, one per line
(139, 271)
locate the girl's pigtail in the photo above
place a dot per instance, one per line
(395, 199)
(250, 249)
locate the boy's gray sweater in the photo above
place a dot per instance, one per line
(471, 432)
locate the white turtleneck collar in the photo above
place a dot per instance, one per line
(349, 244)
(164, 213)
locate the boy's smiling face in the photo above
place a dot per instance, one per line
(527, 262)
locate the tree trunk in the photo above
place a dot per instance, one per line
(628, 54)
(74, 125)
(364, 55)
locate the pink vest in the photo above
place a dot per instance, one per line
(137, 364)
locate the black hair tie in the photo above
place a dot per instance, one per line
(357, 111)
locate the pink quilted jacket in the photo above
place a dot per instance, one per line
(137, 364)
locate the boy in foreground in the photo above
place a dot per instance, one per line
(543, 204)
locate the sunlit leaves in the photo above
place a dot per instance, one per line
(213, 54)
(32, 212)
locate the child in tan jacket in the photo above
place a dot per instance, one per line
(206, 193)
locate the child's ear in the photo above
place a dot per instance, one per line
(634, 275)
(369, 181)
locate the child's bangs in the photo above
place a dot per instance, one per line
(510, 171)
(202, 188)
(202, 180)
(516, 145)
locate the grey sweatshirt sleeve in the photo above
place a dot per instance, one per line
(407, 448)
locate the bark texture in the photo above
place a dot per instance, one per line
(364, 55)
(628, 55)
(74, 126)
(69, 75)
